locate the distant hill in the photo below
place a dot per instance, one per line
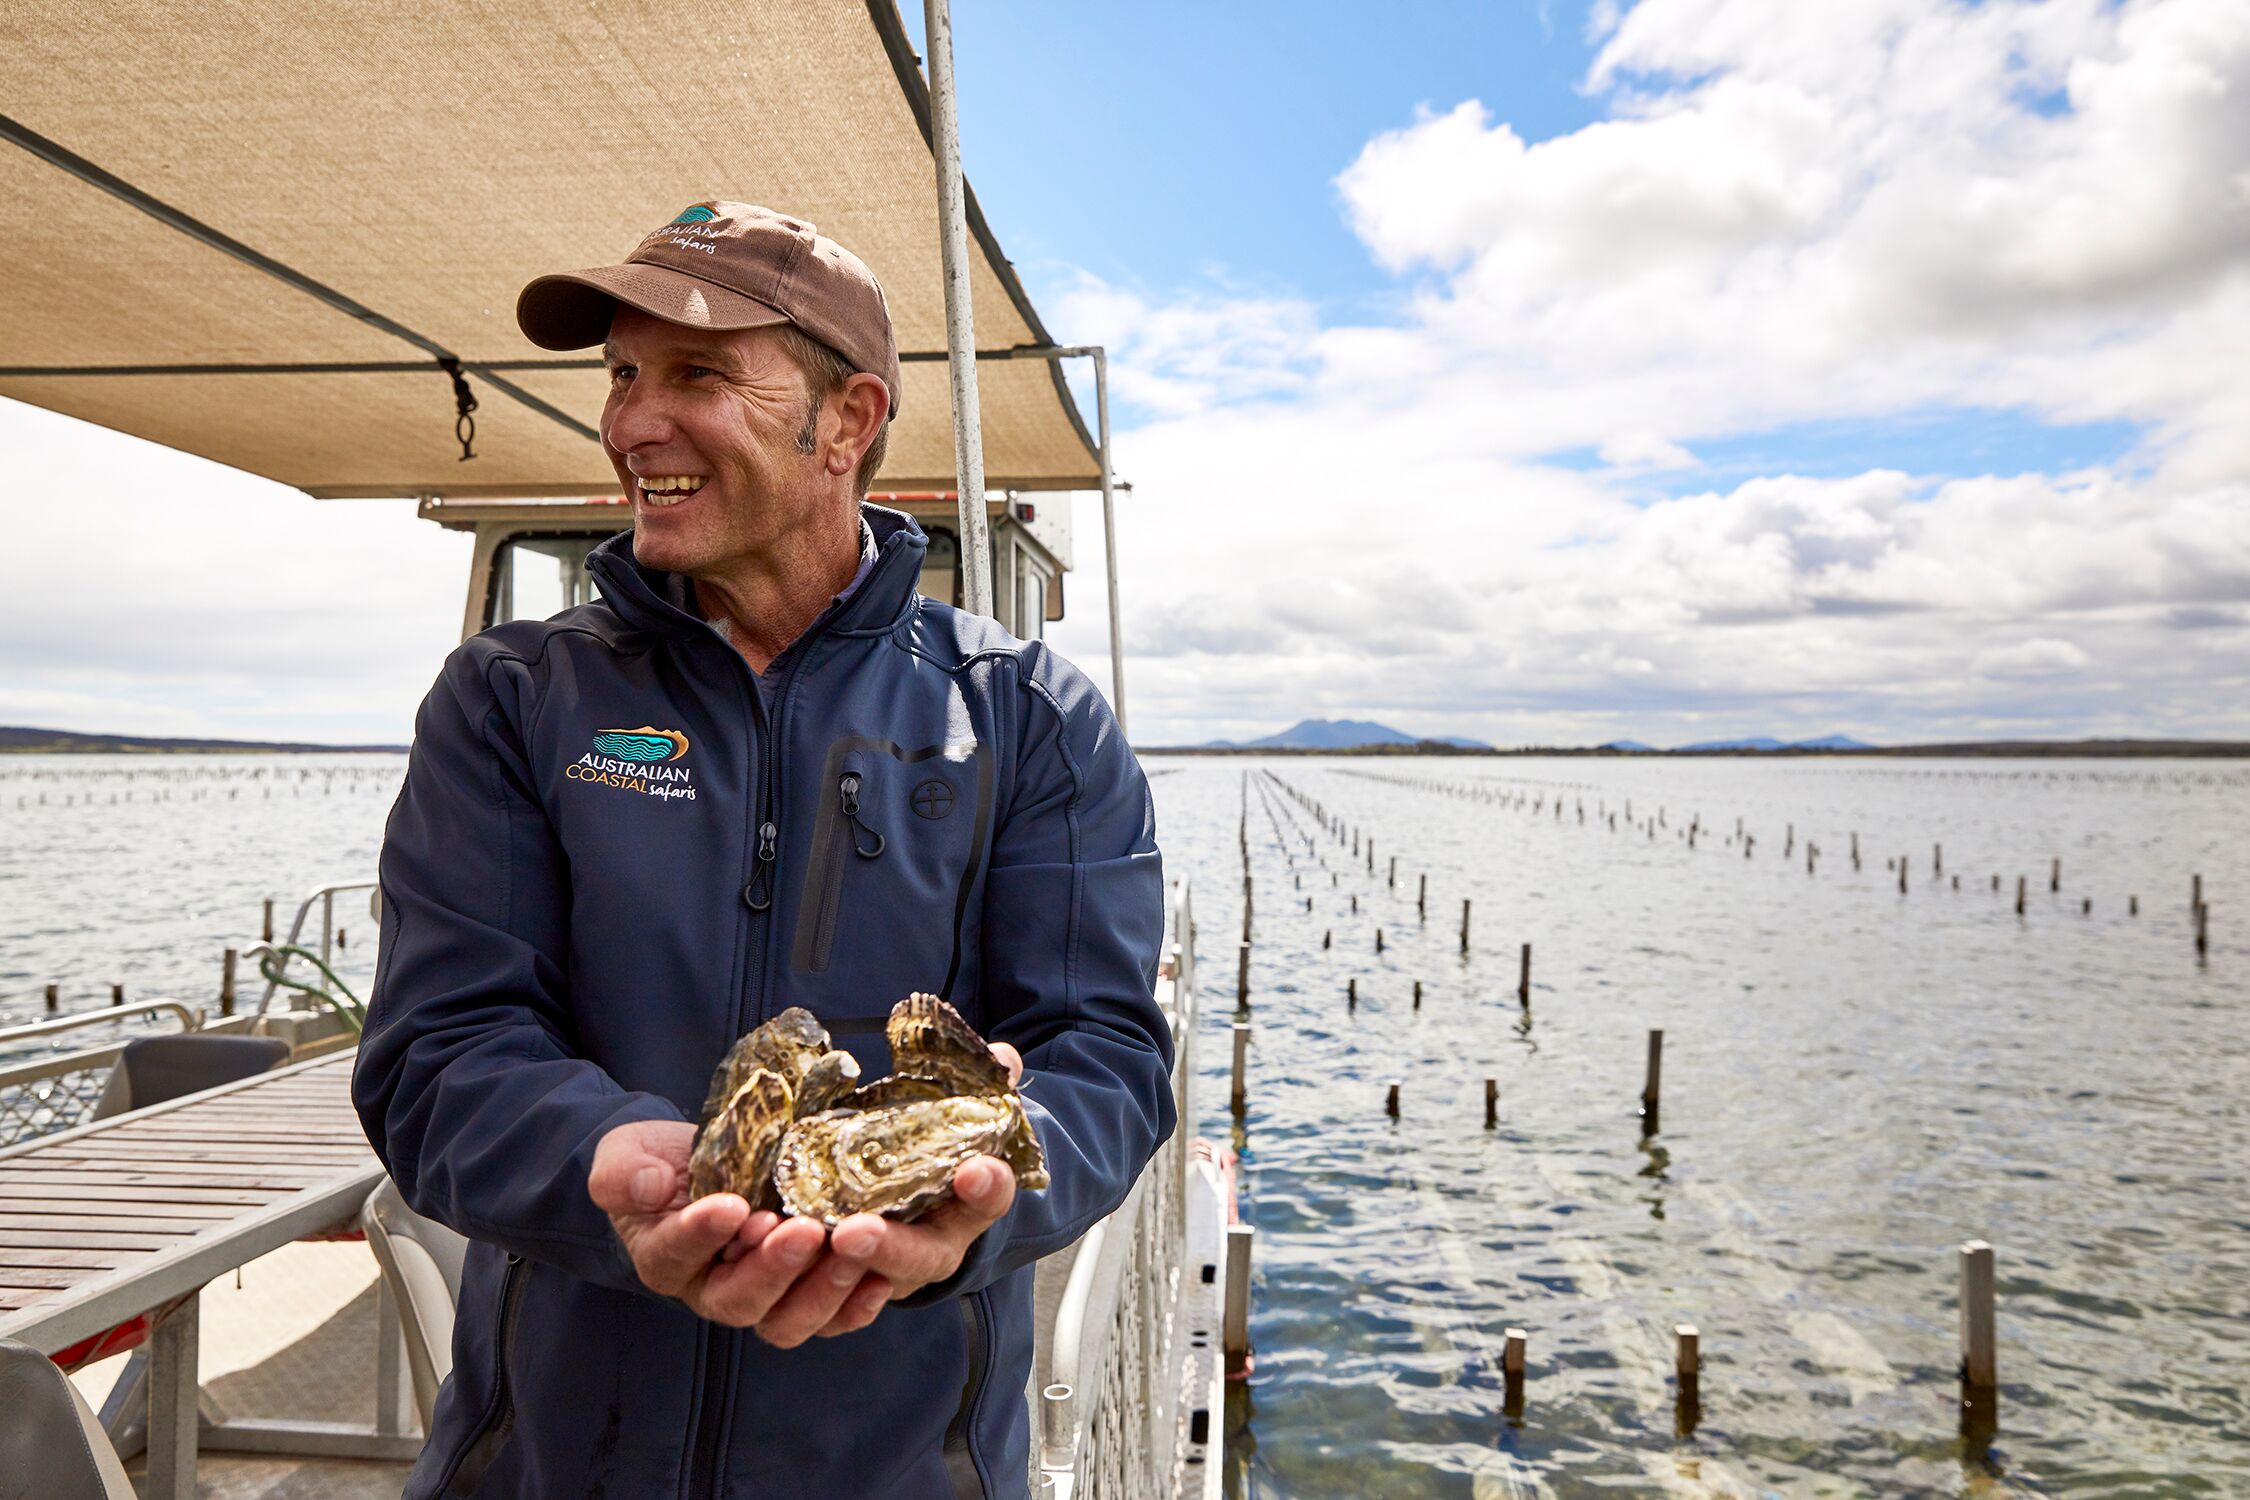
(1340, 734)
(18, 740)
(1628, 745)
(1766, 742)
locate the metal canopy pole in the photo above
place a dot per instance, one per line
(960, 332)
(1109, 541)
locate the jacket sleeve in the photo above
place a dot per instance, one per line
(1073, 921)
(469, 1081)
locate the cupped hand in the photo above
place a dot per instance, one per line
(727, 1264)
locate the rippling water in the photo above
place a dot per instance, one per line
(1855, 1082)
(140, 870)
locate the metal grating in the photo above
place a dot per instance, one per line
(43, 1106)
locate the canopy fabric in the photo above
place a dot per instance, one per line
(424, 163)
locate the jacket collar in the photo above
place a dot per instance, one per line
(642, 597)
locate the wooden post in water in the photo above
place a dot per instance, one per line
(1937, 859)
(1422, 899)
(54, 998)
(1491, 1103)
(2086, 906)
(1351, 993)
(226, 982)
(1980, 1363)
(1394, 872)
(1378, 940)
(1234, 1334)
(1355, 905)
(1236, 1094)
(1327, 936)
(265, 928)
(1390, 1102)
(1523, 979)
(1242, 976)
(1417, 994)
(2195, 892)
(1687, 1368)
(1652, 1088)
(1902, 874)
(117, 994)
(2202, 929)
(2132, 906)
(2054, 877)
(1464, 925)
(2020, 884)
(1511, 1372)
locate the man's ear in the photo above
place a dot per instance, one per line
(863, 406)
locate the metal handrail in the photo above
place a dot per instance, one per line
(1111, 1286)
(326, 895)
(191, 1019)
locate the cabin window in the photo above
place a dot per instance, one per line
(535, 577)
(941, 567)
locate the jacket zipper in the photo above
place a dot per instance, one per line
(840, 823)
(960, 1460)
(499, 1422)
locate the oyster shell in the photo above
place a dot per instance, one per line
(785, 1126)
(897, 1160)
(735, 1149)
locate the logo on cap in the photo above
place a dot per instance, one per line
(696, 215)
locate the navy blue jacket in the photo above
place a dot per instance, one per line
(608, 861)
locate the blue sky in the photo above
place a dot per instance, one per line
(1170, 145)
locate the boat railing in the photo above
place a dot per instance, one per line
(46, 1092)
(323, 896)
(1110, 1419)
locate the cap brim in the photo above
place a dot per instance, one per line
(572, 309)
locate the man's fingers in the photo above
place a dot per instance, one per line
(743, 1292)
(1010, 1059)
(913, 1255)
(672, 1250)
(860, 1308)
(986, 1186)
(812, 1303)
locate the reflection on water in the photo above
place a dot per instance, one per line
(1854, 1082)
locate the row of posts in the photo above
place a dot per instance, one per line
(1978, 1369)
(228, 963)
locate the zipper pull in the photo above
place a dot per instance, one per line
(758, 894)
(847, 787)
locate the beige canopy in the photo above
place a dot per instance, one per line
(355, 191)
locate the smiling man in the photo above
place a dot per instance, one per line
(762, 771)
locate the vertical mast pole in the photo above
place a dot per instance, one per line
(1109, 540)
(960, 331)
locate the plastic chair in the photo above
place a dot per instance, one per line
(51, 1445)
(421, 1260)
(157, 1069)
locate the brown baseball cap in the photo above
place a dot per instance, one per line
(726, 266)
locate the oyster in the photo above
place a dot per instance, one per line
(785, 1126)
(897, 1160)
(735, 1149)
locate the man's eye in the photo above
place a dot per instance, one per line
(620, 372)
(697, 372)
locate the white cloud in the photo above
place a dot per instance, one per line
(1852, 210)
(145, 591)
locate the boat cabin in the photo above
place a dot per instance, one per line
(530, 557)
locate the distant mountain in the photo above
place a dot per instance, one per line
(1627, 745)
(1340, 734)
(1766, 742)
(25, 741)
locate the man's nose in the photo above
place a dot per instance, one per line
(635, 417)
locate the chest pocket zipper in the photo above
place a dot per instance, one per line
(847, 792)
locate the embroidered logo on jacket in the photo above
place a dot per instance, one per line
(644, 743)
(637, 760)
